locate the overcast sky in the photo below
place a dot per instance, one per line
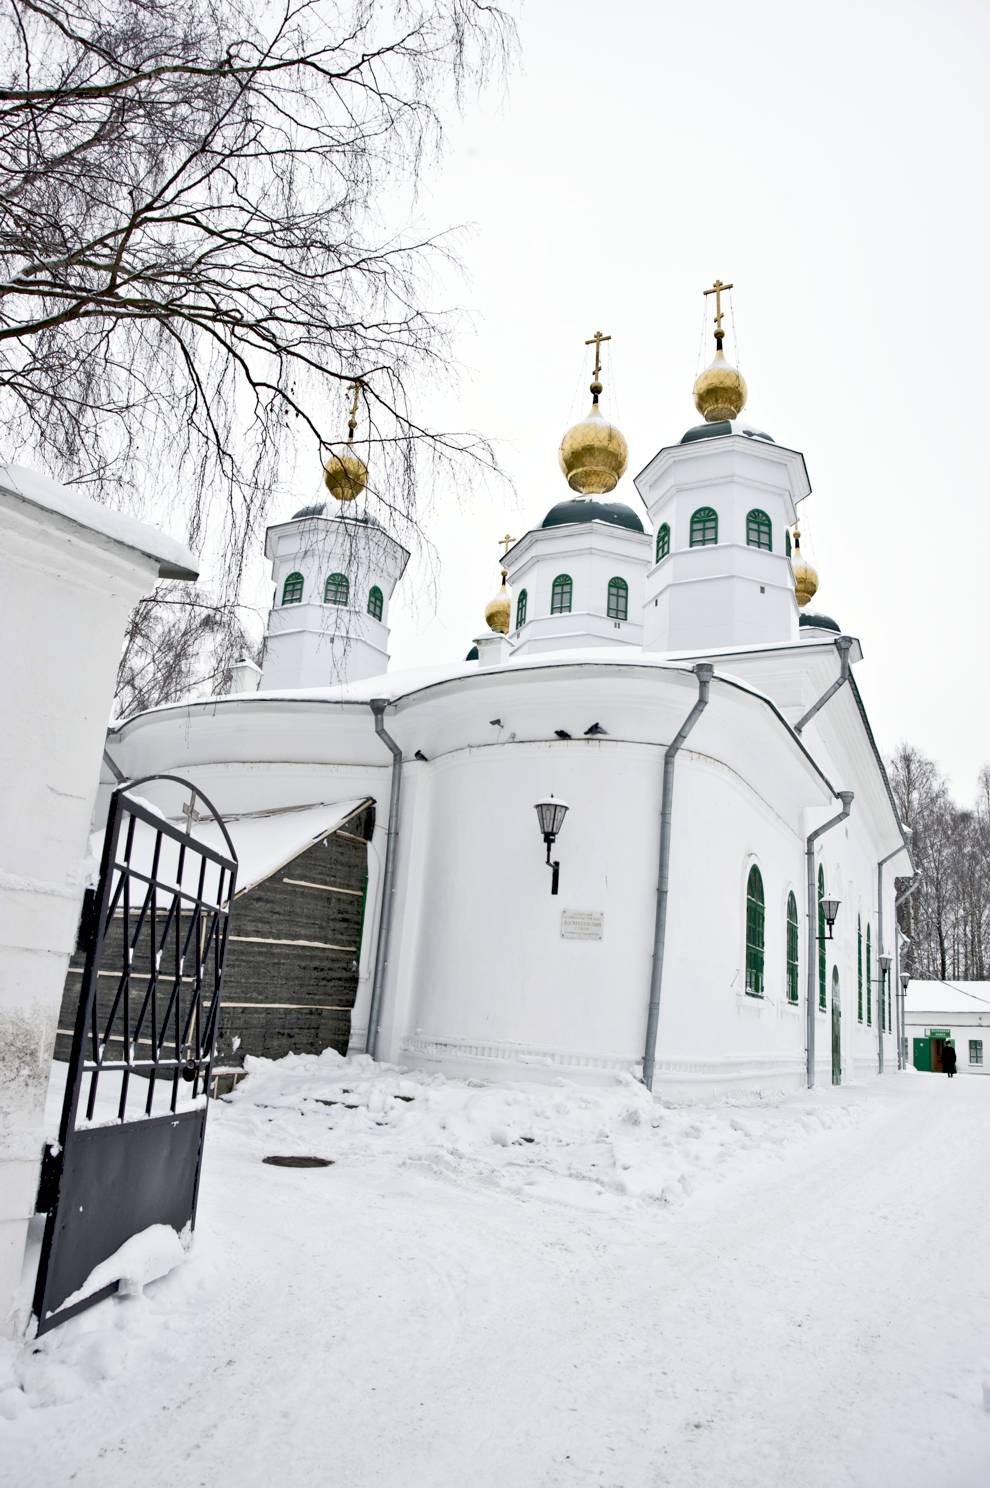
(831, 163)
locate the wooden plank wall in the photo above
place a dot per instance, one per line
(292, 958)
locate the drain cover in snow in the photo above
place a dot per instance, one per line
(299, 1162)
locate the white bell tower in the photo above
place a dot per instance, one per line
(722, 503)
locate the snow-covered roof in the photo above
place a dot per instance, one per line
(174, 559)
(947, 997)
(264, 841)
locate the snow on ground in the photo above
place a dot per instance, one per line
(543, 1285)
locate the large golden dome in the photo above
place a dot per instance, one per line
(720, 391)
(345, 476)
(593, 455)
(805, 577)
(498, 611)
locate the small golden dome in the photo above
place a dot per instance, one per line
(593, 455)
(805, 577)
(720, 391)
(498, 611)
(345, 476)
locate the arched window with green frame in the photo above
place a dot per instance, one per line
(337, 590)
(704, 527)
(822, 957)
(521, 602)
(663, 541)
(792, 948)
(759, 532)
(618, 599)
(292, 589)
(755, 933)
(859, 968)
(869, 976)
(561, 595)
(376, 602)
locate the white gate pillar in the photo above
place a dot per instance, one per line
(70, 572)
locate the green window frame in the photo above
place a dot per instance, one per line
(618, 599)
(859, 968)
(976, 1051)
(822, 954)
(561, 595)
(787, 541)
(869, 976)
(759, 530)
(755, 933)
(292, 589)
(521, 604)
(337, 590)
(793, 975)
(663, 541)
(704, 527)
(376, 602)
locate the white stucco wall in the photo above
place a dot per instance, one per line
(68, 578)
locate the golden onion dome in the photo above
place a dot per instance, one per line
(720, 391)
(345, 476)
(805, 577)
(498, 611)
(594, 454)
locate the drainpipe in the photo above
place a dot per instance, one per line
(378, 706)
(704, 672)
(880, 951)
(843, 645)
(846, 797)
(901, 1053)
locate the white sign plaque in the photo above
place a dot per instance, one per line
(582, 924)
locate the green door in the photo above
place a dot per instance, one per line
(923, 1054)
(836, 1029)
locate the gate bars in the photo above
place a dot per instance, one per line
(156, 936)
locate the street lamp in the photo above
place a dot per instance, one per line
(550, 814)
(885, 961)
(830, 908)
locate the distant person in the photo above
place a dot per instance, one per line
(949, 1060)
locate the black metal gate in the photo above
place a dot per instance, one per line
(130, 1144)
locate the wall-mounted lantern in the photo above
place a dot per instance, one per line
(884, 962)
(830, 908)
(550, 814)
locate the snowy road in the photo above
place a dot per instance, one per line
(547, 1288)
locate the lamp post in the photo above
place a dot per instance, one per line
(550, 814)
(830, 909)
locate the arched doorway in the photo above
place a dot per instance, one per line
(836, 1029)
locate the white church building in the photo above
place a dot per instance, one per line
(714, 909)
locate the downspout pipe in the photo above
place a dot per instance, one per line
(843, 645)
(846, 797)
(914, 885)
(880, 948)
(704, 672)
(378, 706)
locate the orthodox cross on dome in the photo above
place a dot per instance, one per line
(506, 543)
(596, 341)
(356, 385)
(717, 290)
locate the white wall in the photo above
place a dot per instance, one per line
(65, 592)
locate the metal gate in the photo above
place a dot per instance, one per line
(130, 1143)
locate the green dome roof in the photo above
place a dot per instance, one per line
(820, 622)
(720, 429)
(319, 509)
(615, 512)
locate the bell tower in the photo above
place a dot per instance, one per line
(722, 503)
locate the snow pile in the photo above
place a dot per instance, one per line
(587, 1146)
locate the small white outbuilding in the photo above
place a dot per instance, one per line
(941, 1013)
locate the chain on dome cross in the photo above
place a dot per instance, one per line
(352, 421)
(717, 289)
